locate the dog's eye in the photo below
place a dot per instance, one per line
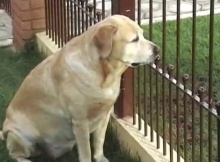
(135, 39)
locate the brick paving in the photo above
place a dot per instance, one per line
(203, 7)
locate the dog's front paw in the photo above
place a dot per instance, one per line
(101, 159)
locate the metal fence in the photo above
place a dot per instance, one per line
(6, 4)
(67, 19)
(181, 108)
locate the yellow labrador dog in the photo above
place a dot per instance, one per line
(72, 92)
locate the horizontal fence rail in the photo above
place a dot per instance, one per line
(6, 4)
(177, 95)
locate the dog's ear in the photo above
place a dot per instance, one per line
(103, 39)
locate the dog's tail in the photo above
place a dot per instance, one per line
(1, 135)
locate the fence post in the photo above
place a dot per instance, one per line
(125, 103)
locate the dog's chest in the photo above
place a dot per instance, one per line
(100, 103)
(107, 94)
(110, 93)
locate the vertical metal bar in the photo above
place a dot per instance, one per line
(71, 15)
(170, 72)
(68, 19)
(52, 19)
(114, 7)
(193, 77)
(103, 9)
(157, 103)
(139, 11)
(150, 70)
(139, 97)
(49, 15)
(94, 9)
(86, 14)
(79, 18)
(211, 51)
(145, 101)
(10, 7)
(135, 91)
(139, 74)
(201, 96)
(151, 106)
(3, 3)
(150, 20)
(87, 17)
(145, 77)
(57, 21)
(83, 12)
(7, 6)
(46, 15)
(185, 79)
(64, 21)
(163, 79)
(75, 18)
(177, 77)
(62, 25)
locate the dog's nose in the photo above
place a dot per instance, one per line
(156, 50)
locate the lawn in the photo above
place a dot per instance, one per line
(201, 75)
(13, 69)
(185, 56)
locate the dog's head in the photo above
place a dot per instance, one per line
(119, 38)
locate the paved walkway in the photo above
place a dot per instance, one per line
(5, 29)
(186, 8)
(203, 7)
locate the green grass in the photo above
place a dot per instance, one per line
(185, 66)
(13, 69)
(185, 55)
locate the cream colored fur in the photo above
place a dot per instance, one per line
(72, 92)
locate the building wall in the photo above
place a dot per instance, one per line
(28, 18)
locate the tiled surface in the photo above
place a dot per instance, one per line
(186, 8)
(5, 29)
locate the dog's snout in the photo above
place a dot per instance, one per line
(156, 50)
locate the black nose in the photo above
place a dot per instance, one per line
(156, 50)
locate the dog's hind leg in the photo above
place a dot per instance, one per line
(18, 149)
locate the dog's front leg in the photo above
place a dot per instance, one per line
(99, 138)
(81, 131)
